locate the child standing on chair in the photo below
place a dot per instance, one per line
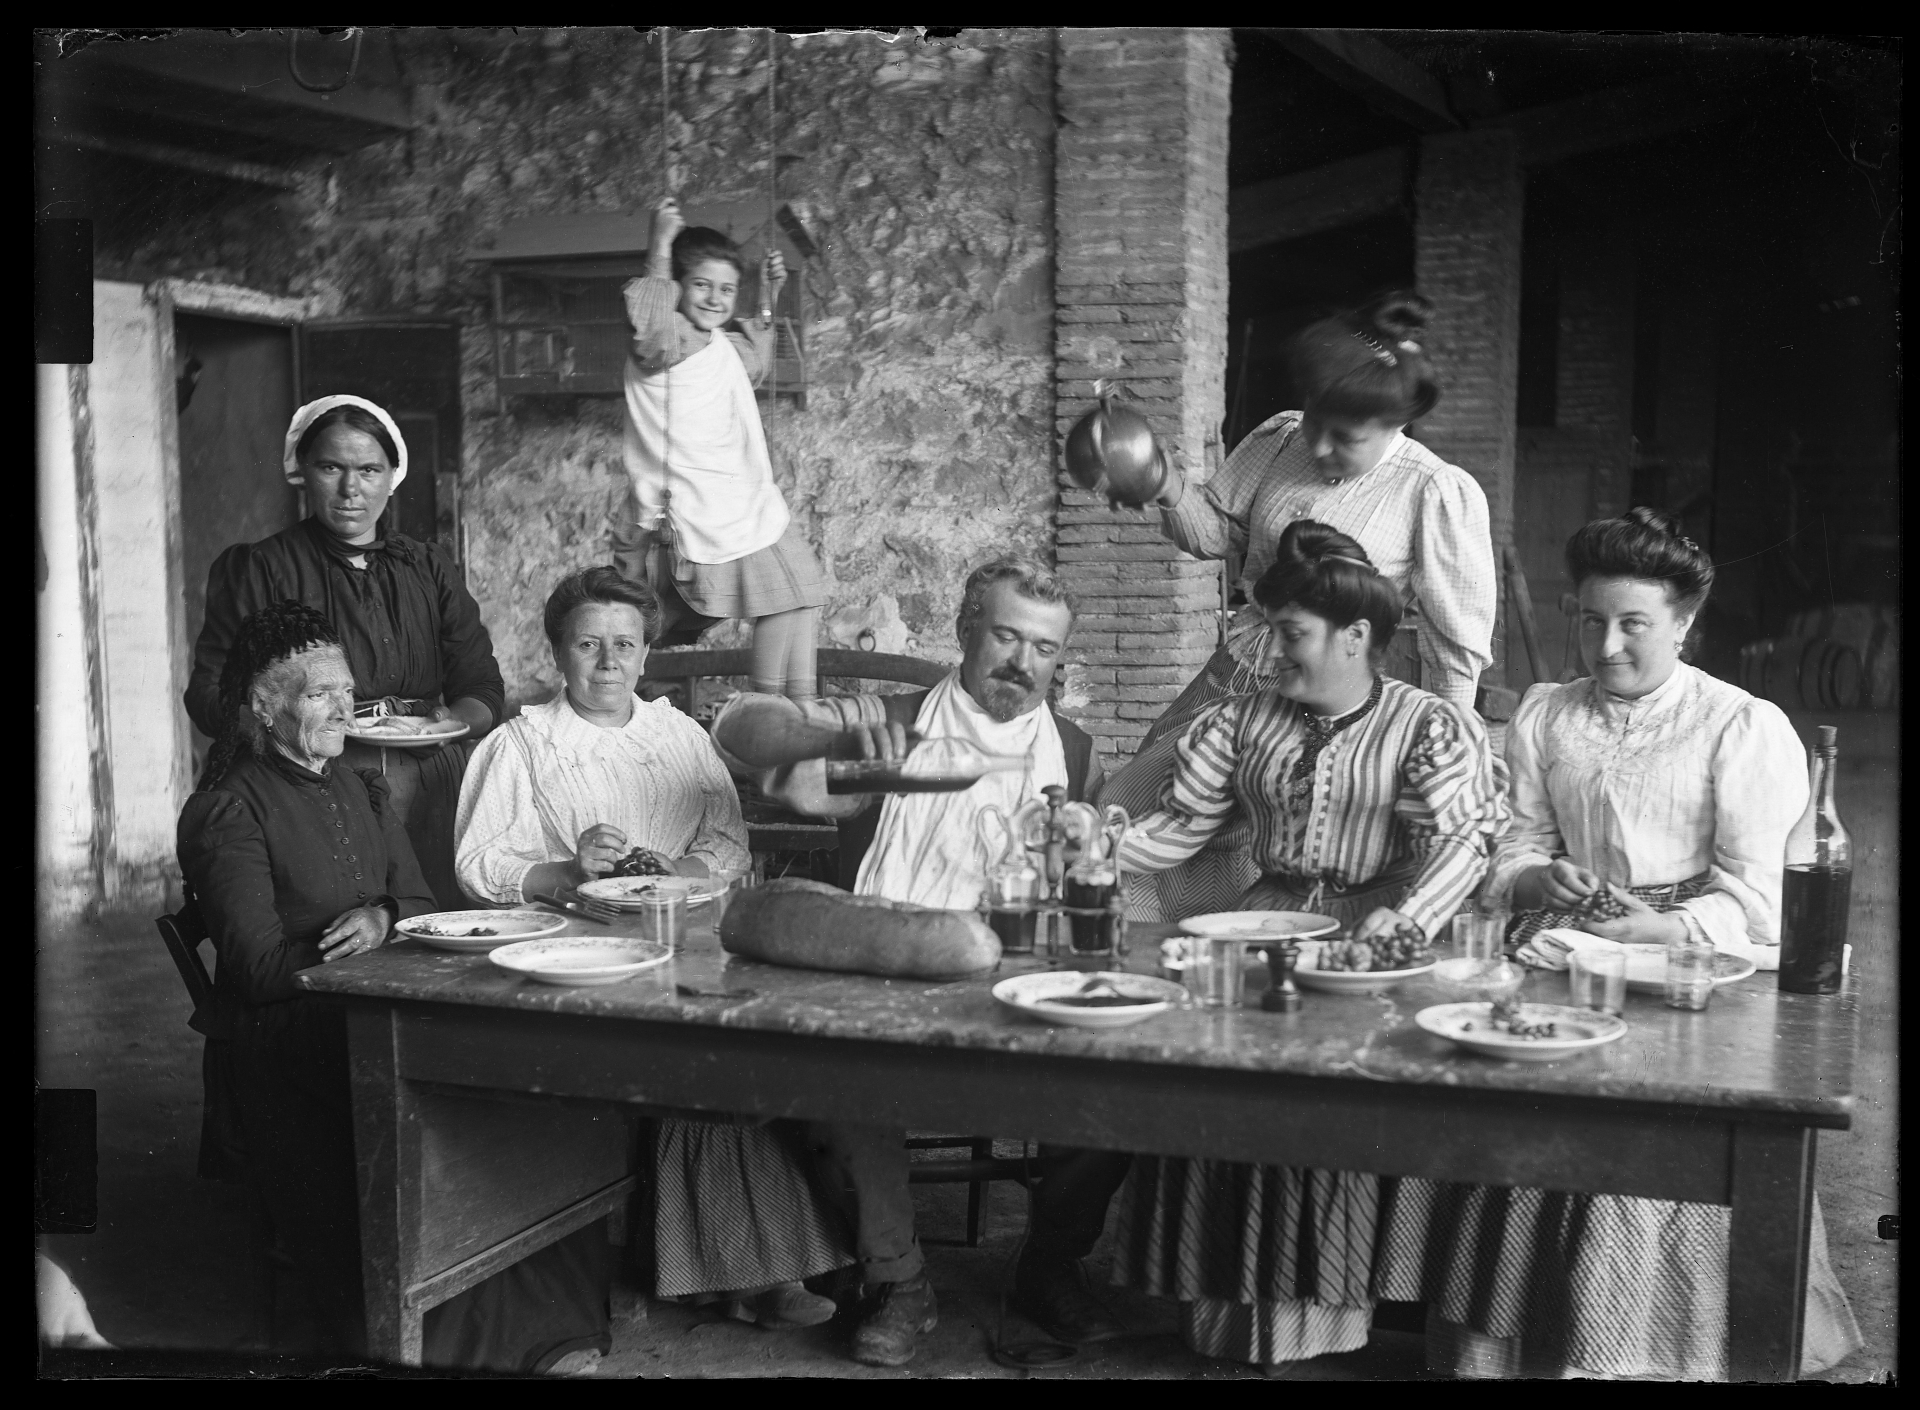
(709, 516)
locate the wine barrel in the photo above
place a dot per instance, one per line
(1803, 673)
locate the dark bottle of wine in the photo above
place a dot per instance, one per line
(1817, 883)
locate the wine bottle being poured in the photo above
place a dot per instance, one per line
(932, 766)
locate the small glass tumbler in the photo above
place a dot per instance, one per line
(1597, 979)
(1480, 936)
(1219, 979)
(1011, 901)
(663, 917)
(1689, 973)
(726, 886)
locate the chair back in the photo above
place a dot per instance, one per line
(688, 666)
(183, 933)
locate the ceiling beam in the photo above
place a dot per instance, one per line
(1325, 198)
(1344, 192)
(1615, 117)
(183, 158)
(1386, 80)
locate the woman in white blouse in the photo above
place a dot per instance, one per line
(558, 796)
(1345, 461)
(1673, 792)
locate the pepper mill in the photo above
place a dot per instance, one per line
(1281, 996)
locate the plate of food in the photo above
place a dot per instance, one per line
(624, 892)
(1361, 966)
(1260, 925)
(406, 731)
(470, 932)
(1647, 968)
(581, 961)
(1533, 1032)
(1102, 999)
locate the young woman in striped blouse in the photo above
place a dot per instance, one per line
(1369, 800)
(1345, 461)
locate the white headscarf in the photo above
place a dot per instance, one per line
(313, 410)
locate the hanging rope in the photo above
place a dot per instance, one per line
(662, 563)
(773, 180)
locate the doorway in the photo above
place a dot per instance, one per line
(234, 387)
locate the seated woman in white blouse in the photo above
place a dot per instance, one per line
(557, 797)
(1674, 792)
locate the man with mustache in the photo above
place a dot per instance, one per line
(1014, 620)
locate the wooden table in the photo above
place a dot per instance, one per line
(489, 1108)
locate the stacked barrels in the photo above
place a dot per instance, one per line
(1838, 658)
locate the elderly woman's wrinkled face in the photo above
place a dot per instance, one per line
(349, 481)
(601, 654)
(306, 703)
(1630, 634)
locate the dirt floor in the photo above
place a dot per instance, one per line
(171, 1266)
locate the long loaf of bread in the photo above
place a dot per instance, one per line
(813, 926)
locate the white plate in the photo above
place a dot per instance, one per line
(437, 732)
(581, 960)
(457, 928)
(1647, 968)
(1260, 925)
(1471, 1026)
(1308, 975)
(1035, 996)
(624, 892)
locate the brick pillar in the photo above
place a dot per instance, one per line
(1468, 201)
(1140, 218)
(1593, 384)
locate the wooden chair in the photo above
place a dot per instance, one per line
(677, 674)
(183, 933)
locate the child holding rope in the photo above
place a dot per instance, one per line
(707, 518)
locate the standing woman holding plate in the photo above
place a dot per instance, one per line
(410, 629)
(1346, 461)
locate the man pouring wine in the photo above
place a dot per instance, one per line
(988, 722)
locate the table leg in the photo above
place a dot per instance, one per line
(1767, 1251)
(386, 1137)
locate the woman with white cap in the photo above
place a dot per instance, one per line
(412, 632)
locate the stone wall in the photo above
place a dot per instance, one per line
(1140, 209)
(925, 168)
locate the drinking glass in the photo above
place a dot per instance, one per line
(1597, 979)
(1690, 973)
(1480, 936)
(1216, 971)
(663, 917)
(727, 884)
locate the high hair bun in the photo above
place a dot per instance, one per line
(1317, 567)
(1307, 544)
(1399, 316)
(1658, 520)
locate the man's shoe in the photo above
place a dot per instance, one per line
(898, 1313)
(781, 1308)
(1054, 1296)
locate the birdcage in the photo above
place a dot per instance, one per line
(560, 320)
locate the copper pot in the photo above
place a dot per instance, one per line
(1113, 451)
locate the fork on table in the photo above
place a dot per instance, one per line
(597, 911)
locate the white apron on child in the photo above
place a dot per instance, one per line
(724, 502)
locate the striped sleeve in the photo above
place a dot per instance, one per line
(498, 837)
(1198, 797)
(1452, 810)
(661, 336)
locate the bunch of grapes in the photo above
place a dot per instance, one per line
(641, 862)
(1403, 947)
(1602, 905)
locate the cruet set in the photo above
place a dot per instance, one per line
(1053, 881)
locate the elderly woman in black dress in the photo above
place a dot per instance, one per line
(294, 860)
(410, 629)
